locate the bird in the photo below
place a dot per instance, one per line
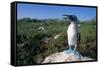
(72, 32)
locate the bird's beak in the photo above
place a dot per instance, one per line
(67, 16)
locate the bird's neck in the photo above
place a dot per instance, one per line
(73, 22)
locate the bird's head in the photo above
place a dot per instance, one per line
(71, 17)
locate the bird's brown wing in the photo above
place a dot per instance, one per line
(79, 38)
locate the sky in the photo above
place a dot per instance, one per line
(53, 11)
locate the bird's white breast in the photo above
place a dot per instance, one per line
(72, 34)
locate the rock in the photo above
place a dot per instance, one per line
(65, 57)
(55, 37)
(41, 28)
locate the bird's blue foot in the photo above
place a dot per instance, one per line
(71, 50)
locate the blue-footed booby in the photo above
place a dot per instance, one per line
(72, 33)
